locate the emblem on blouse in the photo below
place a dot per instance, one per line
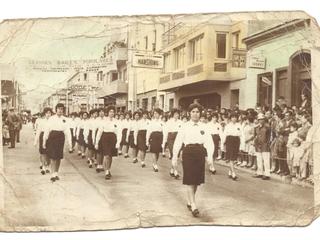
(238, 129)
(202, 132)
(115, 125)
(64, 120)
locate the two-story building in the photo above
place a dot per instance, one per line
(205, 62)
(83, 88)
(114, 87)
(279, 63)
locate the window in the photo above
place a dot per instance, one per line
(171, 102)
(125, 75)
(120, 75)
(146, 42)
(114, 76)
(179, 54)
(235, 40)
(265, 89)
(166, 63)
(155, 41)
(221, 45)
(138, 103)
(196, 49)
(234, 97)
(99, 76)
(153, 102)
(85, 76)
(145, 104)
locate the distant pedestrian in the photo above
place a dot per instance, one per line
(13, 124)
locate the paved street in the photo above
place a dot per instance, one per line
(134, 197)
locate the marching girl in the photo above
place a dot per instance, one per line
(140, 137)
(232, 134)
(55, 134)
(154, 137)
(124, 145)
(80, 135)
(164, 120)
(132, 132)
(215, 130)
(73, 124)
(89, 136)
(197, 142)
(120, 128)
(171, 129)
(110, 140)
(78, 121)
(99, 122)
(42, 123)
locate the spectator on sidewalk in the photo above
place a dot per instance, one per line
(13, 123)
(262, 147)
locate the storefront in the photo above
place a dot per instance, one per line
(279, 64)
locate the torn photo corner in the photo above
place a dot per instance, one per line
(82, 98)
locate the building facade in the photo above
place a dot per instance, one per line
(279, 64)
(206, 62)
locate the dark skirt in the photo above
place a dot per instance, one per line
(232, 147)
(141, 140)
(55, 145)
(216, 140)
(155, 141)
(170, 141)
(81, 138)
(41, 149)
(108, 143)
(73, 138)
(90, 142)
(131, 140)
(193, 164)
(124, 137)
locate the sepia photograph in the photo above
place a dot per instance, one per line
(122, 122)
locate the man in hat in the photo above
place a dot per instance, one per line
(262, 146)
(13, 123)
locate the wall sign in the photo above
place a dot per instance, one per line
(257, 62)
(147, 60)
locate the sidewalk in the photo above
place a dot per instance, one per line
(284, 179)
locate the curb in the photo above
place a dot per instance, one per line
(284, 179)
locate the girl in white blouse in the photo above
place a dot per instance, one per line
(56, 132)
(140, 137)
(132, 132)
(38, 139)
(89, 136)
(171, 130)
(232, 132)
(155, 137)
(80, 134)
(99, 123)
(110, 140)
(197, 144)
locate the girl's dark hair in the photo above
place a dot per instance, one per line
(158, 110)
(109, 108)
(175, 110)
(137, 112)
(60, 105)
(128, 113)
(195, 105)
(45, 110)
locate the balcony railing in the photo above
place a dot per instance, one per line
(116, 87)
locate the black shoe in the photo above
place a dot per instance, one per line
(107, 176)
(155, 169)
(177, 176)
(83, 156)
(257, 176)
(47, 171)
(90, 165)
(119, 154)
(53, 179)
(135, 160)
(265, 178)
(189, 207)
(235, 178)
(40, 167)
(213, 172)
(171, 174)
(43, 172)
(57, 178)
(126, 156)
(195, 212)
(143, 165)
